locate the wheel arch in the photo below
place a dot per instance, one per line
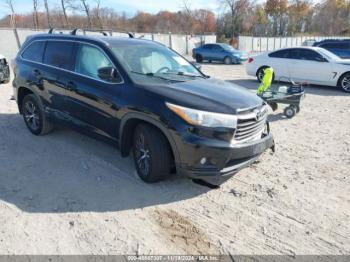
(261, 67)
(341, 76)
(21, 93)
(127, 128)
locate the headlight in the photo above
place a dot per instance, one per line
(203, 118)
(237, 55)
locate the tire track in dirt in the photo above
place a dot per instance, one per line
(182, 233)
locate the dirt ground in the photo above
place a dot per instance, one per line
(67, 193)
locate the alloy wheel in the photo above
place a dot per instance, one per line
(143, 156)
(31, 115)
(261, 75)
(345, 83)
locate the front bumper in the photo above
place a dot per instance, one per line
(224, 162)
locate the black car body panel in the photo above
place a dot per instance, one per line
(108, 108)
(340, 47)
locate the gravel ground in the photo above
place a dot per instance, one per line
(66, 193)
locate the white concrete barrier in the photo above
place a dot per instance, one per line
(182, 44)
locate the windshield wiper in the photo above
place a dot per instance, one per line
(184, 74)
(151, 75)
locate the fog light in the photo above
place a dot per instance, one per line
(203, 160)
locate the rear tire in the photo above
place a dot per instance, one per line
(199, 59)
(344, 82)
(152, 154)
(34, 116)
(260, 74)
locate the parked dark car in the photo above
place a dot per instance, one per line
(146, 99)
(219, 52)
(340, 48)
(4, 70)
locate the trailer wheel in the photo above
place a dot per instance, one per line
(290, 111)
(297, 108)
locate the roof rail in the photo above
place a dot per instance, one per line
(102, 31)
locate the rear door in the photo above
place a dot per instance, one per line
(309, 66)
(92, 100)
(58, 63)
(279, 62)
(207, 52)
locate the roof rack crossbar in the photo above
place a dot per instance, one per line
(102, 31)
(52, 30)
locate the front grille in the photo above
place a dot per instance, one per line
(251, 124)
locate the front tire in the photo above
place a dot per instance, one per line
(152, 154)
(34, 116)
(228, 60)
(344, 82)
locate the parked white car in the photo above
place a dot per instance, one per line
(313, 65)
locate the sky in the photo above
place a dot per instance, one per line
(128, 6)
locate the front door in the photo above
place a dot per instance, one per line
(310, 67)
(91, 100)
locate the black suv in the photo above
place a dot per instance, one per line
(145, 97)
(340, 47)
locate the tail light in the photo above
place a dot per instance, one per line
(250, 60)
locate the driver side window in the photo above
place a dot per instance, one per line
(89, 60)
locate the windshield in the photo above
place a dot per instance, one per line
(328, 54)
(155, 61)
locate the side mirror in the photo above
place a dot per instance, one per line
(109, 74)
(197, 65)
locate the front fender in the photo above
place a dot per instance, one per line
(153, 120)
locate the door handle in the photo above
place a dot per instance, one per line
(71, 86)
(36, 72)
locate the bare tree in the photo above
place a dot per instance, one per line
(98, 13)
(47, 13)
(237, 10)
(188, 15)
(35, 14)
(86, 9)
(65, 4)
(9, 4)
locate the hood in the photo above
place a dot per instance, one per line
(343, 61)
(240, 53)
(209, 95)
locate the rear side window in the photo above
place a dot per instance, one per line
(208, 47)
(309, 55)
(279, 54)
(34, 52)
(59, 54)
(293, 54)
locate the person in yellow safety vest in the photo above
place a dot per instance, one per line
(266, 81)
